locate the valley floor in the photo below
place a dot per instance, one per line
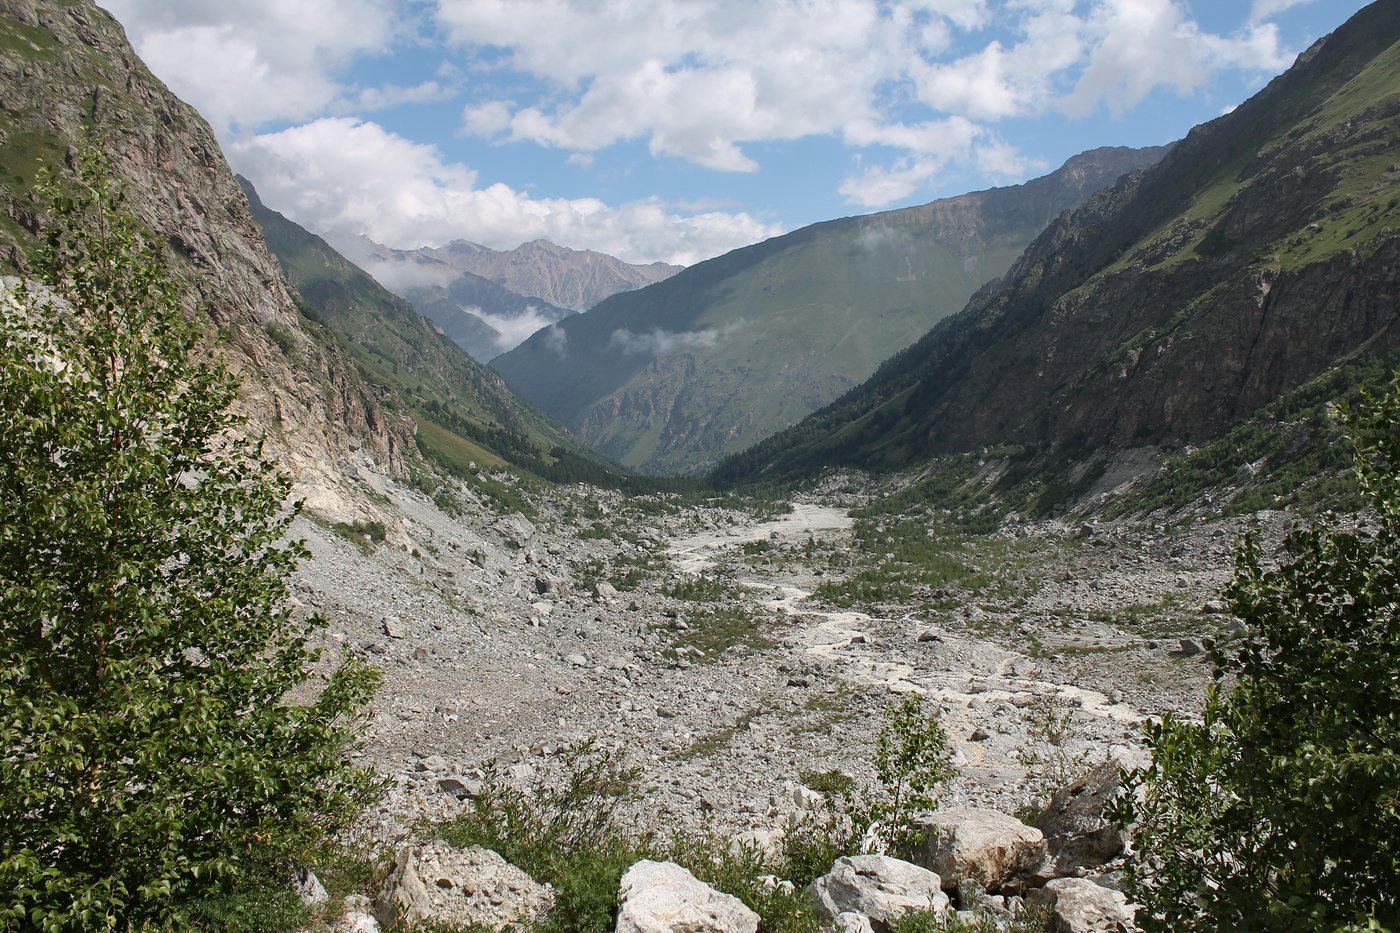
(694, 639)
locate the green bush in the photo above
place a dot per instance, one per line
(1281, 809)
(163, 736)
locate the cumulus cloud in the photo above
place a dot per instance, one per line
(704, 81)
(1143, 44)
(242, 64)
(344, 177)
(658, 341)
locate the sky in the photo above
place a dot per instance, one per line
(677, 130)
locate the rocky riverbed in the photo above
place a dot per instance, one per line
(689, 637)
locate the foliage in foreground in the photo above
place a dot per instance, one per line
(568, 833)
(1281, 810)
(154, 756)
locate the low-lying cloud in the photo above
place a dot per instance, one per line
(657, 341)
(514, 329)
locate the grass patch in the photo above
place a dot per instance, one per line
(708, 633)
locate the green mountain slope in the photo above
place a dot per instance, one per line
(1262, 251)
(463, 410)
(674, 376)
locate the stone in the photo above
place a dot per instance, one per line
(1078, 905)
(393, 626)
(357, 917)
(446, 885)
(515, 530)
(929, 635)
(877, 887)
(851, 922)
(1190, 648)
(1076, 833)
(984, 845)
(663, 897)
(460, 788)
(603, 591)
(308, 887)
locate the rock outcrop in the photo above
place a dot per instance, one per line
(1078, 905)
(441, 884)
(984, 846)
(875, 890)
(663, 897)
(1077, 835)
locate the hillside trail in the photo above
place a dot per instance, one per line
(872, 652)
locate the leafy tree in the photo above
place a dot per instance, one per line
(1281, 809)
(164, 736)
(913, 762)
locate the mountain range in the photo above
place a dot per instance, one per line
(672, 377)
(1261, 252)
(489, 300)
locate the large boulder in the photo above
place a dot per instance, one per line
(1076, 833)
(1077, 905)
(662, 897)
(515, 530)
(877, 887)
(984, 846)
(462, 887)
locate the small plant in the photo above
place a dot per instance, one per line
(1050, 765)
(912, 763)
(834, 782)
(698, 589)
(364, 534)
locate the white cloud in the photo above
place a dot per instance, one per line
(343, 177)
(393, 95)
(242, 64)
(556, 341)
(705, 80)
(512, 330)
(658, 341)
(1143, 44)
(1263, 9)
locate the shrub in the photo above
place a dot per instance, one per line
(153, 752)
(1281, 809)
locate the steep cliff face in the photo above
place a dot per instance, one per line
(68, 74)
(674, 376)
(1262, 250)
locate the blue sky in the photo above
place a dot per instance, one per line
(679, 129)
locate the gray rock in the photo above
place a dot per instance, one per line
(984, 845)
(446, 885)
(1077, 905)
(1076, 833)
(515, 530)
(308, 887)
(393, 626)
(662, 897)
(877, 887)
